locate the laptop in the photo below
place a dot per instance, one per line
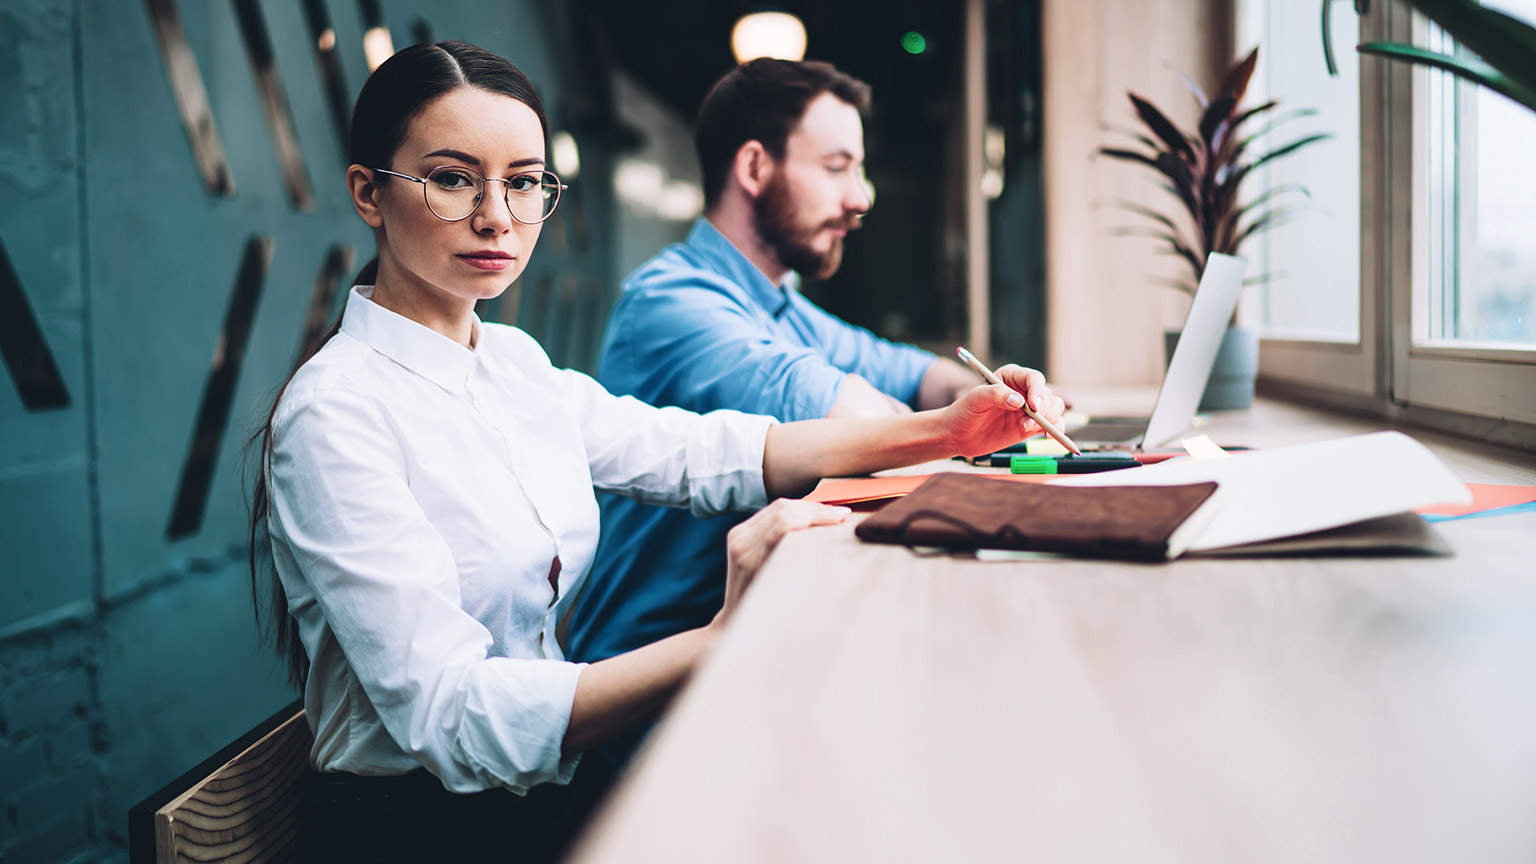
(1215, 298)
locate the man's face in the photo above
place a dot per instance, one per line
(816, 192)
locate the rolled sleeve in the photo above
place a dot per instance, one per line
(725, 462)
(894, 368)
(385, 585)
(538, 692)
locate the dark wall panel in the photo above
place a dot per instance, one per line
(165, 261)
(127, 643)
(45, 516)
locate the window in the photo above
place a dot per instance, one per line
(1482, 208)
(1313, 263)
(1441, 326)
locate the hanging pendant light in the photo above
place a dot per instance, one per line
(768, 34)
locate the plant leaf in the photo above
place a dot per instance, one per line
(1176, 245)
(1129, 133)
(1195, 264)
(1469, 68)
(1289, 149)
(1177, 170)
(1178, 284)
(1144, 211)
(1216, 115)
(1161, 127)
(1278, 190)
(1272, 219)
(1278, 121)
(1333, 67)
(1127, 155)
(1144, 231)
(1236, 151)
(1195, 89)
(1257, 109)
(1225, 196)
(1502, 41)
(1235, 82)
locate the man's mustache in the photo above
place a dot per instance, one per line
(847, 223)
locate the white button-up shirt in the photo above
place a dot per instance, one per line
(420, 493)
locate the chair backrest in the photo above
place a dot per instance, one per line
(242, 804)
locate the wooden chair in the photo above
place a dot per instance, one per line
(240, 805)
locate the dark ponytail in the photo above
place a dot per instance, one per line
(392, 97)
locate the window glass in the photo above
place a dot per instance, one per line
(1313, 261)
(1482, 202)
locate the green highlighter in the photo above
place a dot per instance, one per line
(1085, 464)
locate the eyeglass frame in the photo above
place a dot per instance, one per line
(480, 199)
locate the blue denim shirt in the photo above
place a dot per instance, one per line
(700, 327)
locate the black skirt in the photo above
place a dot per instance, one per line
(411, 817)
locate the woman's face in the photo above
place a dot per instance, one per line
(475, 258)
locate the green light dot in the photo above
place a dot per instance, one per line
(913, 42)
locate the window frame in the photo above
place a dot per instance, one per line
(1498, 383)
(1395, 369)
(1333, 367)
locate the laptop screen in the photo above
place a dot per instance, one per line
(1190, 367)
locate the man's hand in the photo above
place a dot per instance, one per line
(990, 417)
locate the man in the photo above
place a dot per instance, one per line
(716, 322)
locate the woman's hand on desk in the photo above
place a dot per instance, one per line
(748, 544)
(988, 418)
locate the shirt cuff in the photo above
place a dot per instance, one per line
(908, 386)
(815, 389)
(524, 752)
(725, 462)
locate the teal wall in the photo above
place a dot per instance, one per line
(127, 656)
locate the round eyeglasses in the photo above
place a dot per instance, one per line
(454, 193)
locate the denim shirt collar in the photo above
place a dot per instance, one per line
(722, 255)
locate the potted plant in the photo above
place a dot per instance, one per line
(1205, 171)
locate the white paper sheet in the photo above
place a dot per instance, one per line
(1268, 494)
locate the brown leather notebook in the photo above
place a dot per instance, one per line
(970, 511)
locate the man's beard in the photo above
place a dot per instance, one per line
(773, 215)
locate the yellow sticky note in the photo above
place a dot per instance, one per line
(1202, 447)
(1044, 447)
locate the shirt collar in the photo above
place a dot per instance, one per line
(715, 248)
(415, 346)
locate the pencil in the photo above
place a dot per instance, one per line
(1051, 430)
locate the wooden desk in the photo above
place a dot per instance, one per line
(870, 705)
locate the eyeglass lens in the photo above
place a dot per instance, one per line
(453, 193)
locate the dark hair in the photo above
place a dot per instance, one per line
(763, 100)
(392, 97)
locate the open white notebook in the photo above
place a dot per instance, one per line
(1287, 491)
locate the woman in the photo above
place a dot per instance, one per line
(426, 494)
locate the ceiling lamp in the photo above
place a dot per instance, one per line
(768, 34)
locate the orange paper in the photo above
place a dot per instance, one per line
(1485, 496)
(858, 489)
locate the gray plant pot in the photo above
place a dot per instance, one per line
(1230, 387)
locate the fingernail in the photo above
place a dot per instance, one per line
(1015, 400)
